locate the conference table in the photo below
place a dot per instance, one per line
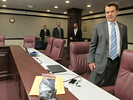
(83, 90)
(25, 68)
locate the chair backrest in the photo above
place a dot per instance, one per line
(124, 83)
(29, 41)
(79, 57)
(57, 48)
(2, 40)
(49, 45)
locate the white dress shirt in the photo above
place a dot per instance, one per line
(117, 36)
(45, 30)
(75, 31)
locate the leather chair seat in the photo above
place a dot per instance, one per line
(79, 58)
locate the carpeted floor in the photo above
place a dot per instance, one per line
(8, 90)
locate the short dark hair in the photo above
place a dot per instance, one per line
(112, 4)
(75, 23)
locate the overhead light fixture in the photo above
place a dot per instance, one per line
(4, 0)
(65, 12)
(48, 10)
(91, 12)
(88, 5)
(30, 6)
(67, 1)
(55, 6)
(4, 6)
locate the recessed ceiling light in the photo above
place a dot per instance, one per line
(4, 6)
(3, 0)
(48, 10)
(88, 5)
(91, 12)
(65, 12)
(67, 1)
(30, 6)
(55, 6)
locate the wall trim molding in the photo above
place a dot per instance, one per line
(104, 16)
(14, 38)
(121, 9)
(26, 10)
(89, 39)
(33, 13)
(123, 12)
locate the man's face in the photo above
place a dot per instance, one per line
(44, 26)
(111, 13)
(75, 25)
(58, 24)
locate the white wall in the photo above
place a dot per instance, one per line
(27, 25)
(14, 42)
(21, 42)
(90, 25)
(130, 47)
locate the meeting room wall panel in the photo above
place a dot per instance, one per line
(27, 25)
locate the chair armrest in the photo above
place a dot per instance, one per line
(42, 51)
(70, 67)
(57, 59)
(109, 89)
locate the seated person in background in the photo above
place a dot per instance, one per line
(76, 34)
(58, 32)
(44, 32)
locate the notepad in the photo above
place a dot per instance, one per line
(56, 68)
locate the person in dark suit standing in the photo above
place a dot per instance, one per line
(58, 31)
(76, 34)
(44, 32)
(104, 58)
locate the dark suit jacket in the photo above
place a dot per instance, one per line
(56, 33)
(42, 33)
(78, 36)
(99, 47)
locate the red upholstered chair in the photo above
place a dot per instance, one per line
(2, 40)
(79, 58)
(29, 41)
(57, 49)
(123, 88)
(49, 46)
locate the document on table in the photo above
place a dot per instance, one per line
(58, 86)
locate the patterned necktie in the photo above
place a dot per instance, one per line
(113, 49)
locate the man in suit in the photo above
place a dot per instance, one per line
(102, 63)
(58, 32)
(76, 34)
(44, 32)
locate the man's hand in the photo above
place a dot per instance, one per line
(71, 38)
(92, 66)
